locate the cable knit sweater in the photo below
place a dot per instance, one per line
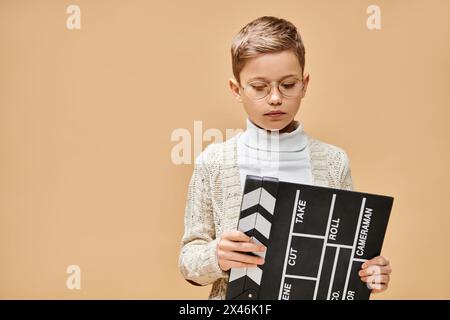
(214, 199)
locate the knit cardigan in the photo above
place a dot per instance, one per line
(214, 199)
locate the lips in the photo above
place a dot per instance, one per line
(274, 113)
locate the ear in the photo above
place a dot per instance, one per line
(235, 89)
(305, 84)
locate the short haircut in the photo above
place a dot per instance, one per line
(265, 35)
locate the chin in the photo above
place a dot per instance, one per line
(276, 124)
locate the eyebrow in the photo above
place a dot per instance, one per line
(265, 79)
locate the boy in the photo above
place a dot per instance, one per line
(268, 59)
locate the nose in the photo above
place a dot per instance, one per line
(274, 96)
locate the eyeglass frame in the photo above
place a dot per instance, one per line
(272, 86)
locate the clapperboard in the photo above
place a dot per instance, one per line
(316, 237)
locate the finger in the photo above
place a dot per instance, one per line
(382, 278)
(235, 235)
(236, 264)
(382, 288)
(228, 245)
(375, 286)
(372, 270)
(241, 257)
(380, 260)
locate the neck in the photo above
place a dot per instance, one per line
(291, 139)
(289, 128)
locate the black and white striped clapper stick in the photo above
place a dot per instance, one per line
(257, 210)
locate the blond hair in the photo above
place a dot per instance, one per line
(265, 35)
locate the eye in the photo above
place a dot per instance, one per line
(258, 87)
(288, 85)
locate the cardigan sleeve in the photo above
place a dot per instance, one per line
(198, 260)
(346, 175)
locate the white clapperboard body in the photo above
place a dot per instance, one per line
(316, 237)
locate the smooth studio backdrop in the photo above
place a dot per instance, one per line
(87, 115)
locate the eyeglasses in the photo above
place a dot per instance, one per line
(289, 88)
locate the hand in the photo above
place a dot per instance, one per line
(232, 248)
(375, 272)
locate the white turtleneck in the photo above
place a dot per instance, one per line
(281, 155)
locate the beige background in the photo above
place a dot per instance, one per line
(86, 116)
